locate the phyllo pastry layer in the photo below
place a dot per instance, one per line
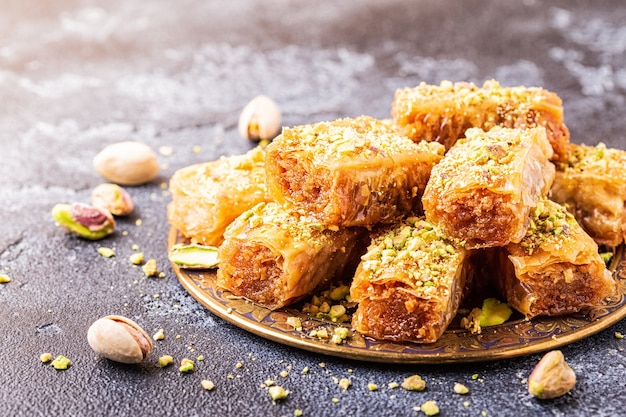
(555, 269)
(482, 191)
(592, 185)
(444, 112)
(274, 257)
(207, 197)
(349, 172)
(409, 284)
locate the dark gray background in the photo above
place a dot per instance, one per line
(78, 75)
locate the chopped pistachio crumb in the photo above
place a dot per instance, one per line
(161, 274)
(372, 387)
(138, 222)
(60, 363)
(393, 385)
(239, 365)
(4, 278)
(277, 392)
(150, 268)
(294, 322)
(322, 364)
(135, 246)
(466, 403)
(186, 365)
(335, 400)
(414, 383)
(268, 383)
(460, 389)
(45, 357)
(297, 412)
(618, 335)
(430, 408)
(165, 360)
(284, 374)
(344, 383)
(475, 376)
(200, 358)
(106, 252)
(305, 370)
(166, 150)
(136, 258)
(159, 335)
(207, 385)
(606, 257)
(342, 332)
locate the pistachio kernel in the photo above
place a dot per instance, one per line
(260, 119)
(89, 222)
(552, 376)
(113, 198)
(194, 256)
(119, 339)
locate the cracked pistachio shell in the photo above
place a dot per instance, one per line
(552, 376)
(260, 119)
(127, 163)
(120, 339)
(113, 198)
(90, 222)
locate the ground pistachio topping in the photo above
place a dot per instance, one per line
(416, 241)
(4, 279)
(548, 221)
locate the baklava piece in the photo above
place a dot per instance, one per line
(444, 112)
(410, 283)
(207, 197)
(483, 189)
(591, 184)
(274, 257)
(349, 172)
(555, 269)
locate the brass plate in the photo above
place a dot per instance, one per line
(457, 345)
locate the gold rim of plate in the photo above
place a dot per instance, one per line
(511, 339)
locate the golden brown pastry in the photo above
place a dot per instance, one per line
(349, 172)
(555, 269)
(409, 284)
(592, 185)
(207, 197)
(275, 257)
(444, 112)
(483, 189)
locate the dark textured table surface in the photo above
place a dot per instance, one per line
(77, 75)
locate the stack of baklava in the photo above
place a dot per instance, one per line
(407, 208)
